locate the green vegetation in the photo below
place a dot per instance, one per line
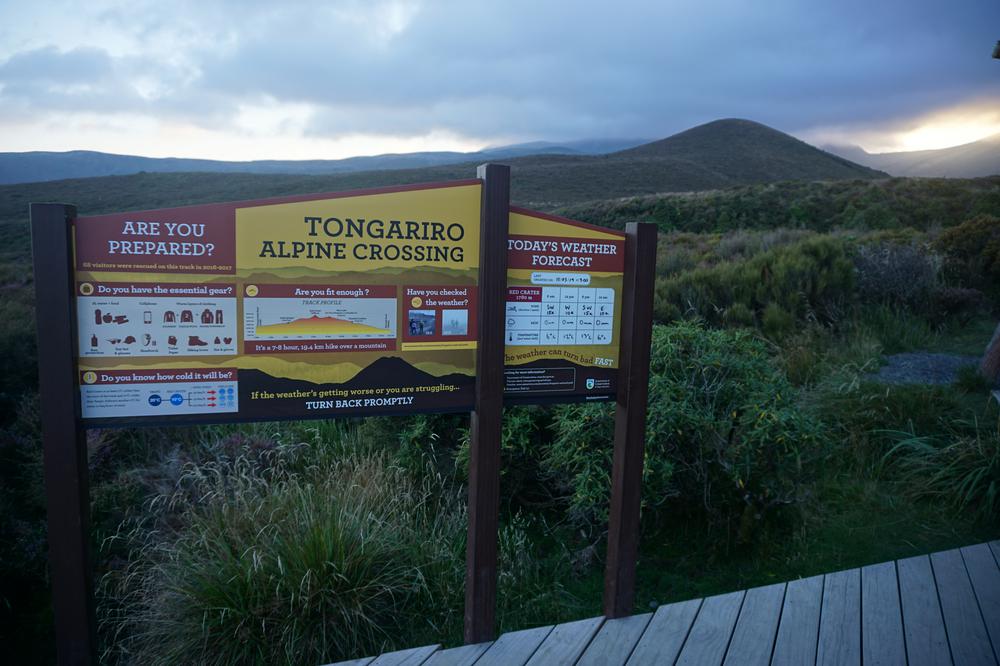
(292, 554)
(893, 204)
(772, 452)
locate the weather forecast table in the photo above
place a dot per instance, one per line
(560, 316)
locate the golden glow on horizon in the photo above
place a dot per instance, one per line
(255, 133)
(931, 131)
(945, 135)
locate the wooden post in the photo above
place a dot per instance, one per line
(63, 442)
(630, 419)
(990, 365)
(485, 426)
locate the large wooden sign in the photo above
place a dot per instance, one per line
(317, 306)
(423, 298)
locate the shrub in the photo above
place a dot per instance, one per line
(895, 274)
(738, 314)
(724, 434)
(972, 253)
(959, 303)
(807, 277)
(776, 322)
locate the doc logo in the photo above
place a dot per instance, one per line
(590, 383)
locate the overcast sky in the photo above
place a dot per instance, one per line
(327, 78)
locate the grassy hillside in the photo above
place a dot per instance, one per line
(720, 154)
(891, 203)
(740, 152)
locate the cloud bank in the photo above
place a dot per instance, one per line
(319, 76)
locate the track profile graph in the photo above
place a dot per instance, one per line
(308, 318)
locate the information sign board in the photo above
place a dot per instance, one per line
(563, 309)
(310, 306)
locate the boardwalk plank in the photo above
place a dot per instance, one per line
(614, 642)
(839, 641)
(928, 610)
(923, 626)
(665, 634)
(410, 657)
(798, 630)
(712, 630)
(985, 576)
(566, 642)
(465, 655)
(753, 637)
(967, 635)
(882, 640)
(514, 648)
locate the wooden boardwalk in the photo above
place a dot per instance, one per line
(929, 610)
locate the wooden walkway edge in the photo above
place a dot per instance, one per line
(936, 609)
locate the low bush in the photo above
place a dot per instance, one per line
(959, 304)
(893, 274)
(724, 434)
(972, 253)
(804, 278)
(523, 438)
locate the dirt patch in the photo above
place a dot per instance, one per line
(923, 368)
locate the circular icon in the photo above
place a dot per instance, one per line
(252, 290)
(155, 400)
(89, 377)
(416, 301)
(176, 399)
(86, 289)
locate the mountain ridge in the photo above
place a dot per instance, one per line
(969, 160)
(716, 155)
(40, 165)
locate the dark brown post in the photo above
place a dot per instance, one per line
(484, 438)
(630, 419)
(63, 443)
(989, 367)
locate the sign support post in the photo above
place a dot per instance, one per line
(63, 440)
(630, 419)
(487, 418)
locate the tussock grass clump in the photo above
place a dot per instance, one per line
(286, 565)
(959, 468)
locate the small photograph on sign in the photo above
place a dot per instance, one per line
(421, 322)
(454, 322)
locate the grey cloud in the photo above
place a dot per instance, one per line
(48, 65)
(537, 70)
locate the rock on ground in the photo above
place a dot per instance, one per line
(923, 368)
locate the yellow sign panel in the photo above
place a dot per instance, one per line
(411, 229)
